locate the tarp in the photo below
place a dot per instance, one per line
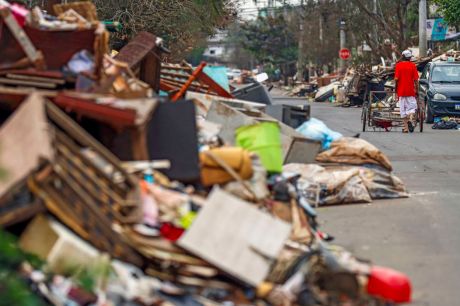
(219, 75)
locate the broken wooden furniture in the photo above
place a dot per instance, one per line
(77, 179)
(86, 9)
(47, 51)
(33, 56)
(120, 125)
(143, 58)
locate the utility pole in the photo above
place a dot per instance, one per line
(301, 56)
(422, 42)
(343, 43)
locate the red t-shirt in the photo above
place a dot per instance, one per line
(407, 74)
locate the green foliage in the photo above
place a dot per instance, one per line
(269, 40)
(13, 289)
(450, 9)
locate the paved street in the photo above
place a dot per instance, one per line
(420, 235)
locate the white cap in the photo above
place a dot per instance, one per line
(407, 53)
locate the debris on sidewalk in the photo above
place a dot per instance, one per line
(194, 198)
(354, 151)
(332, 184)
(326, 92)
(445, 124)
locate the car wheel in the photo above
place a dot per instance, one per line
(429, 116)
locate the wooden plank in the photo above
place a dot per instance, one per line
(194, 86)
(105, 113)
(35, 78)
(27, 83)
(73, 148)
(150, 70)
(177, 75)
(34, 72)
(93, 184)
(21, 37)
(75, 131)
(139, 139)
(103, 238)
(137, 49)
(141, 54)
(21, 214)
(166, 66)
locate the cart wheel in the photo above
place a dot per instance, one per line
(364, 118)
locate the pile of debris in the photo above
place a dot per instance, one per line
(195, 198)
(359, 82)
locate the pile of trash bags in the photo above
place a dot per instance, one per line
(445, 124)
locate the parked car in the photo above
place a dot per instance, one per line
(233, 74)
(440, 90)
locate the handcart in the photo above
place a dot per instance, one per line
(381, 112)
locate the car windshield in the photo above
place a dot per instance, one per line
(446, 74)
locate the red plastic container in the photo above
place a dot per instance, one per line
(389, 285)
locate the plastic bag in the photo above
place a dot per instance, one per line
(317, 130)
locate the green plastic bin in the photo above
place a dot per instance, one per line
(265, 140)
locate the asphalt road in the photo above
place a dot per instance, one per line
(419, 236)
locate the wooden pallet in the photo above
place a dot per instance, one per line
(89, 191)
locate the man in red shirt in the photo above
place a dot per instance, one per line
(406, 79)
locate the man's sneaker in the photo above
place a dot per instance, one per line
(410, 126)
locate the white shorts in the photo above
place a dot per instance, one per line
(407, 106)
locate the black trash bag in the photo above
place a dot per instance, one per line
(445, 125)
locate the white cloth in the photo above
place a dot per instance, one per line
(407, 106)
(407, 53)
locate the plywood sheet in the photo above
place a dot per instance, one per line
(236, 237)
(24, 141)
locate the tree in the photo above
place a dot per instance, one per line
(183, 24)
(271, 41)
(392, 22)
(450, 9)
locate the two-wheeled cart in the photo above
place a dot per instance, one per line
(381, 112)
